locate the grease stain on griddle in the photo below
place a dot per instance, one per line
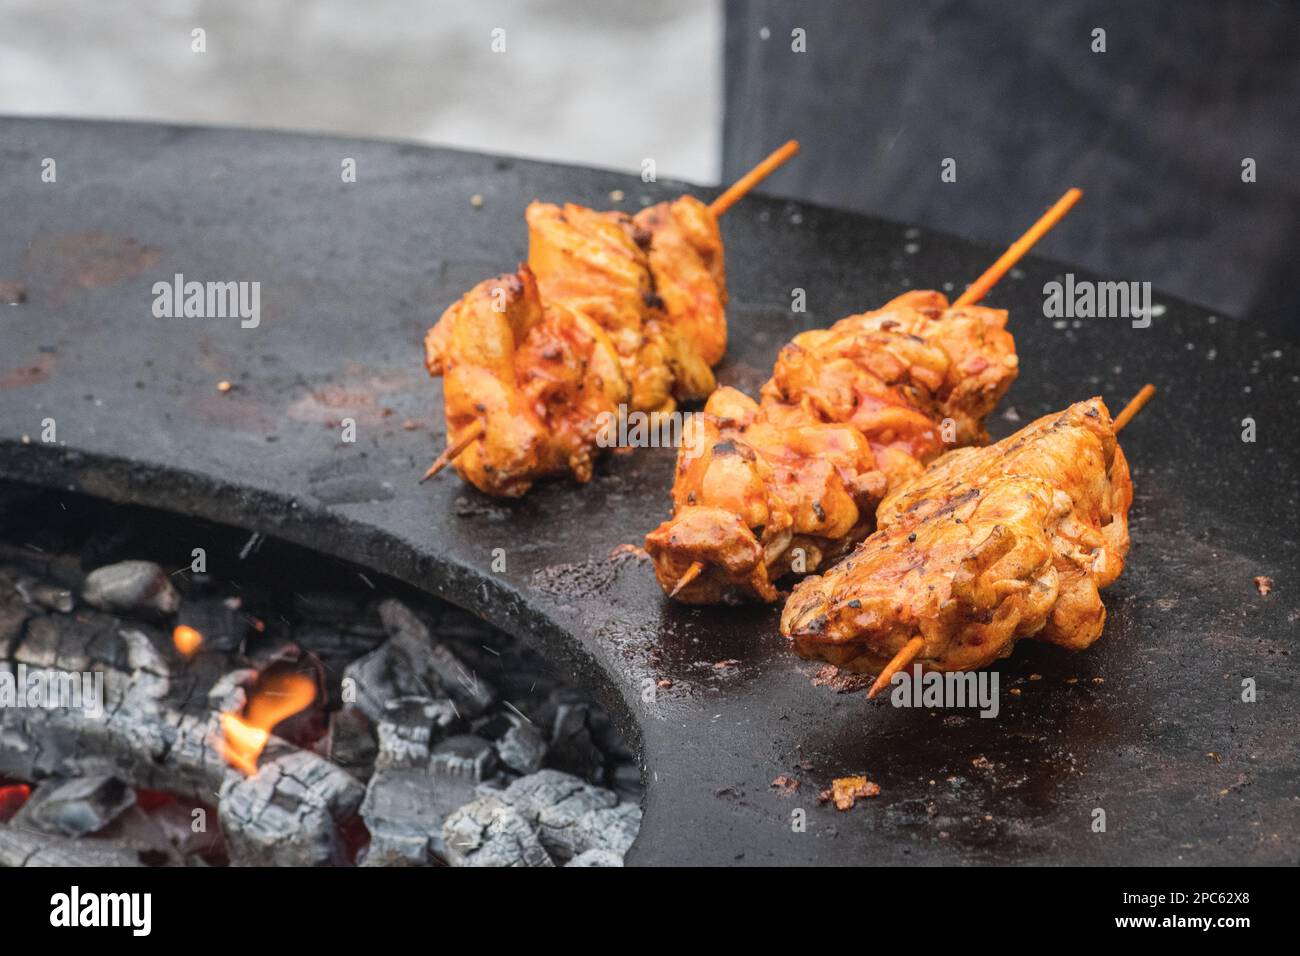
(582, 579)
(25, 375)
(351, 481)
(88, 260)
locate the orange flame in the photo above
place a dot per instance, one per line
(276, 698)
(187, 640)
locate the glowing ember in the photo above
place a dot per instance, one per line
(275, 698)
(187, 640)
(12, 798)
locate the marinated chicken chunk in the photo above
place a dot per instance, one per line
(988, 546)
(916, 377)
(541, 359)
(753, 501)
(534, 379)
(655, 284)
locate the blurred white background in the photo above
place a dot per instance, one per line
(597, 82)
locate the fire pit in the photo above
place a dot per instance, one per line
(312, 425)
(140, 700)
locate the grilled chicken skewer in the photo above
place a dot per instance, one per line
(990, 545)
(648, 289)
(785, 485)
(791, 483)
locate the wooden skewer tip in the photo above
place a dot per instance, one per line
(693, 572)
(904, 657)
(452, 452)
(1134, 406)
(774, 161)
(1018, 249)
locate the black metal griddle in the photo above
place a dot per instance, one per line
(1148, 725)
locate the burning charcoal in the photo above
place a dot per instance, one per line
(555, 802)
(142, 744)
(47, 596)
(488, 832)
(572, 747)
(75, 807)
(13, 617)
(432, 661)
(609, 828)
(139, 587)
(187, 833)
(352, 745)
(24, 848)
(409, 726)
(596, 858)
(12, 798)
(492, 725)
(463, 757)
(150, 674)
(229, 692)
(404, 810)
(289, 812)
(523, 748)
(222, 627)
(60, 643)
(291, 663)
(337, 647)
(140, 832)
(126, 658)
(378, 677)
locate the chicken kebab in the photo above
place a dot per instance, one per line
(612, 313)
(986, 547)
(791, 483)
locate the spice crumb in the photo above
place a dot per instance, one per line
(786, 785)
(846, 791)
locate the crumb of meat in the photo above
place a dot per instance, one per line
(846, 791)
(842, 682)
(786, 786)
(982, 763)
(1263, 583)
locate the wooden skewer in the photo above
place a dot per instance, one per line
(978, 289)
(1134, 406)
(691, 574)
(752, 178)
(901, 660)
(1016, 251)
(449, 455)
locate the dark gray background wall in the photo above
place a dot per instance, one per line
(1155, 129)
